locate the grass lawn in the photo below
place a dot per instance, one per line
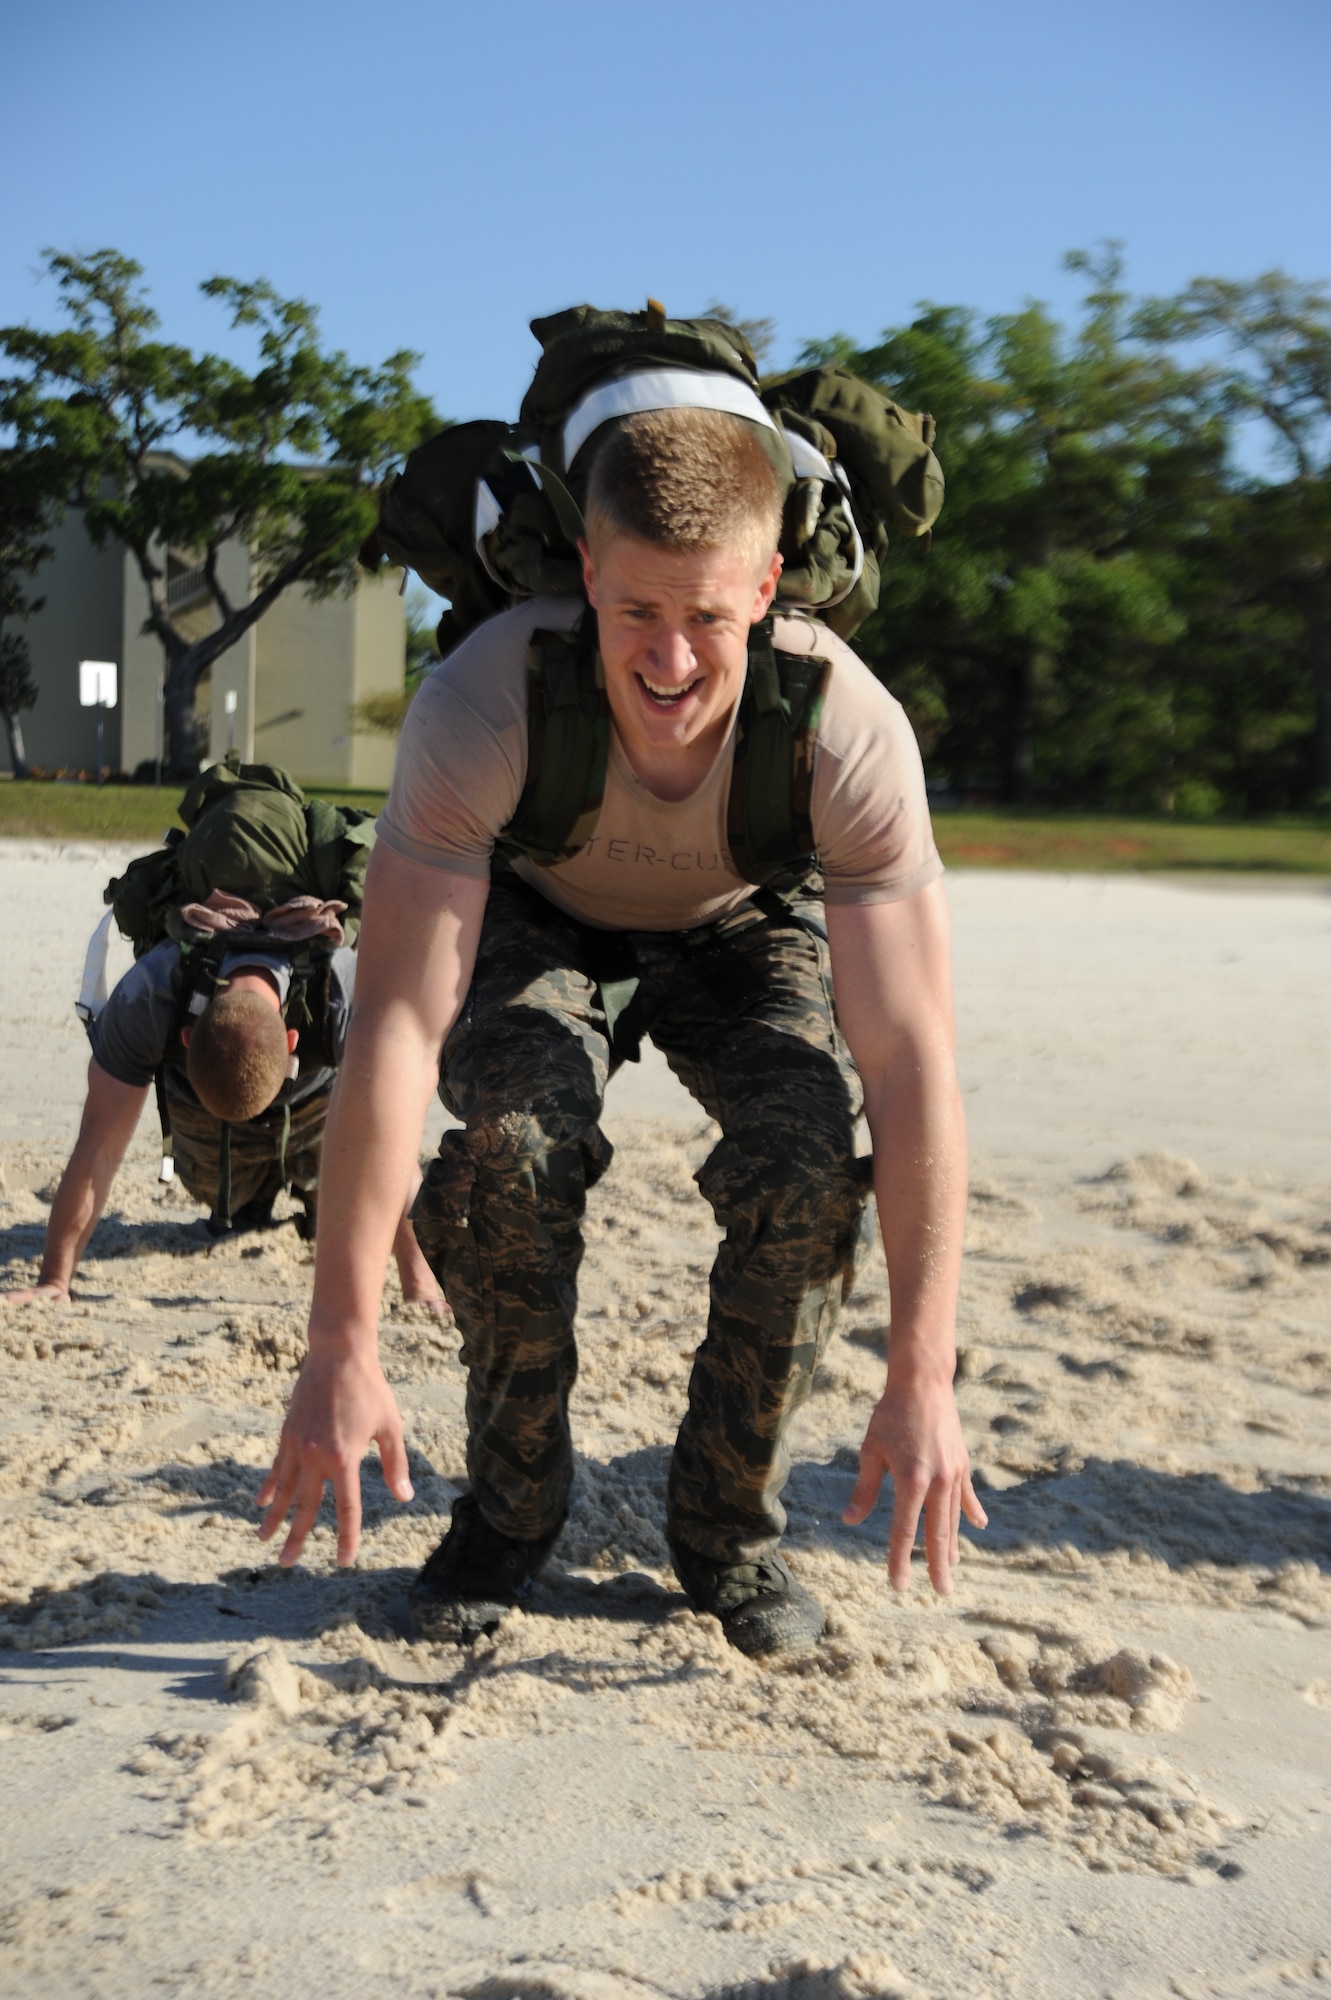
(1105, 844)
(995, 839)
(41, 811)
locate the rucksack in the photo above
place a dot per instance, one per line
(488, 513)
(251, 830)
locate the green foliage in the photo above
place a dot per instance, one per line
(25, 513)
(168, 450)
(1110, 614)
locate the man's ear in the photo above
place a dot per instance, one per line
(185, 1034)
(588, 572)
(293, 1036)
(767, 584)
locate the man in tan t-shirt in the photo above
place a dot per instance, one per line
(515, 969)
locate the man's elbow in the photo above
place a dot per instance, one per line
(910, 1059)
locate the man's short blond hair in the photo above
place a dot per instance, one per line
(686, 480)
(237, 1056)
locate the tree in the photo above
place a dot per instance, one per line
(1275, 337)
(1029, 647)
(286, 459)
(24, 514)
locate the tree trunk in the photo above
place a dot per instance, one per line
(180, 727)
(18, 756)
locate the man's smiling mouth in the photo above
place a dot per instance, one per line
(666, 697)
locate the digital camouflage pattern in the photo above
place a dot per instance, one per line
(279, 1149)
(742, 1011)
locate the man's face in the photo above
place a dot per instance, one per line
(674, 633)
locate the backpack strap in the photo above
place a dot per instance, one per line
(769, 823)
(220, 1218)
(769, 819)
(167, 1170)
(568, 744)
(307, 1005)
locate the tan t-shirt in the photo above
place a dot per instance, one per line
(651, 864)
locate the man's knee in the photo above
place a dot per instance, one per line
(531, 1157)
(791, 1149)
(553, 1147)
(525, 1057)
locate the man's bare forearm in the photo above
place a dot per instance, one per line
(370, 1159)
(415, 956)
(918, 1128)
(75, 1213)
(110, 1113)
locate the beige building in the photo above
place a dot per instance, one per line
(295, 675)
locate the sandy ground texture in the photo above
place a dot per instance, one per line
(1101, 1769)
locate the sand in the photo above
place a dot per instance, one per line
(1100, 1769)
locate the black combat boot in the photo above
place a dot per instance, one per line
(474, 1576)
(763, 1611)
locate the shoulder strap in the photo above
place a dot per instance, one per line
(568, 744)
(306, 1008)
(769, 823)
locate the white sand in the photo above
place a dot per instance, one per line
(1101, 1769)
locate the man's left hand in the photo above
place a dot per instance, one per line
(914, 1435)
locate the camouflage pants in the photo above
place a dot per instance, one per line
(229, 1166)
(742, 1011)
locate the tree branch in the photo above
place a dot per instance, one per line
(219, 596)
(204, 651)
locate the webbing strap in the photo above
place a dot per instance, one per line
(809, 463)
(282, 1145)
(222, 1207)
(568, 746)
(163, 1110)
(566, 509)
(769, 816)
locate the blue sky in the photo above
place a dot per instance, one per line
(433, 176)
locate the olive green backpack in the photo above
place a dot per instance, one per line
(250, 830)
(488, 513)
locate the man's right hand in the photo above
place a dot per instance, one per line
(340, 1403)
